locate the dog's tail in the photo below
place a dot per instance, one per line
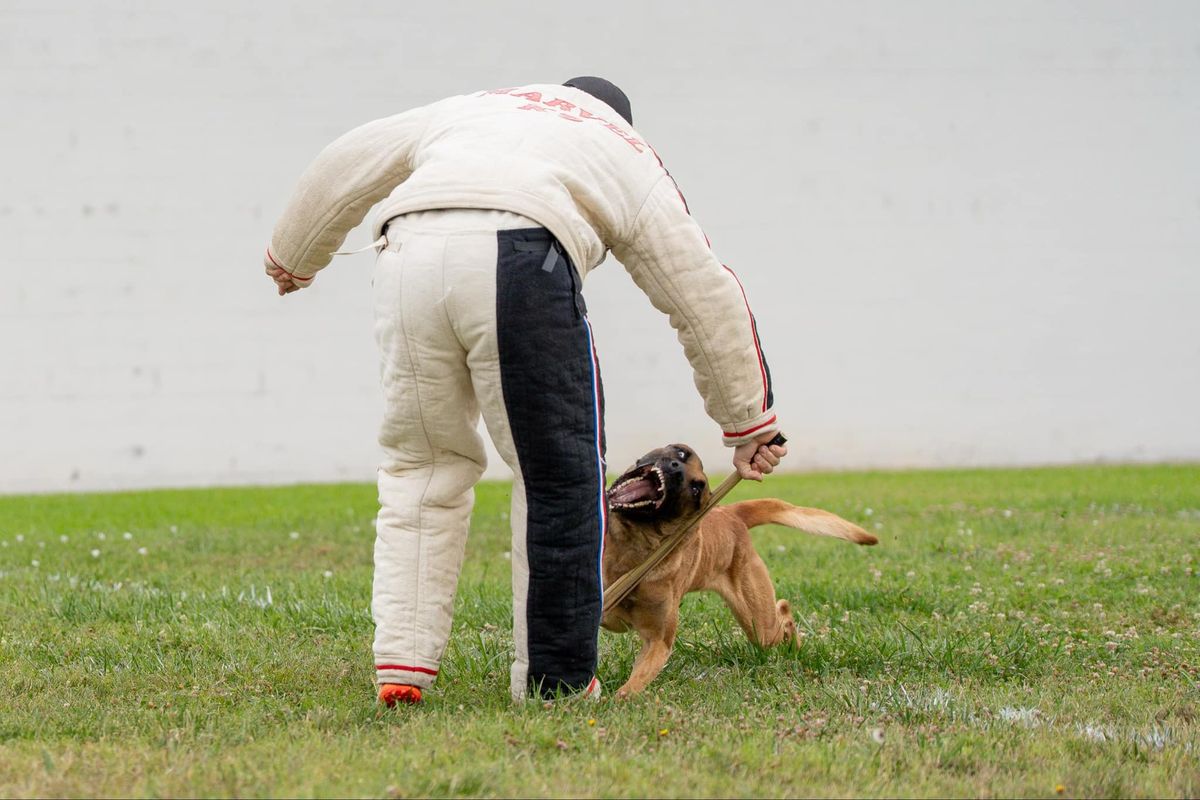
(809, 520)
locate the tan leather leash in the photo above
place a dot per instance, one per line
(622, 586)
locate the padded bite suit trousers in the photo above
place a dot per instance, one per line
(480, 311)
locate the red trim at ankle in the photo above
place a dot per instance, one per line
(425, 670)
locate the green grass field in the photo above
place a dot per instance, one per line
(1024, 632)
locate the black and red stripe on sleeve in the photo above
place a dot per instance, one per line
(768, 394)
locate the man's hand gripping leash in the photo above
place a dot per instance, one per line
(760, 456)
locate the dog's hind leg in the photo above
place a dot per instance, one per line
(751, 597)
(656, 626)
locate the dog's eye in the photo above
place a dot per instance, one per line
(697, 488)
(682, 455)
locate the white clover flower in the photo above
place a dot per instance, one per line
(101, 536)
(127, 536)
(20, 537)
(294, 535)
(142, 551)
(174, 529)
(95, 553)
(328, 573)
(64, 538)
(34, 563)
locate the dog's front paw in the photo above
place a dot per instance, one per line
(787, 623)
(627, 691)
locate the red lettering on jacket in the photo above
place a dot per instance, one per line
(634, 143)
(563, 106)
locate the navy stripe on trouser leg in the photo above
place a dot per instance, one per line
(551, 395)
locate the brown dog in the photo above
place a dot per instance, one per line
(645, 503)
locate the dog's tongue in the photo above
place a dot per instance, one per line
(632, 491)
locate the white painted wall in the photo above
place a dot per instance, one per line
(971, 231)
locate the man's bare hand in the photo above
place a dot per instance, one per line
(285, 282)
(757, 458)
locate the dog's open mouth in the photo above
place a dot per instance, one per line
(638, 488)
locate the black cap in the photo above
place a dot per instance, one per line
(605, 91)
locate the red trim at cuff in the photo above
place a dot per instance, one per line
(291, 275)
(749, 431)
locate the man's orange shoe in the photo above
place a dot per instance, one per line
(393, 694)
